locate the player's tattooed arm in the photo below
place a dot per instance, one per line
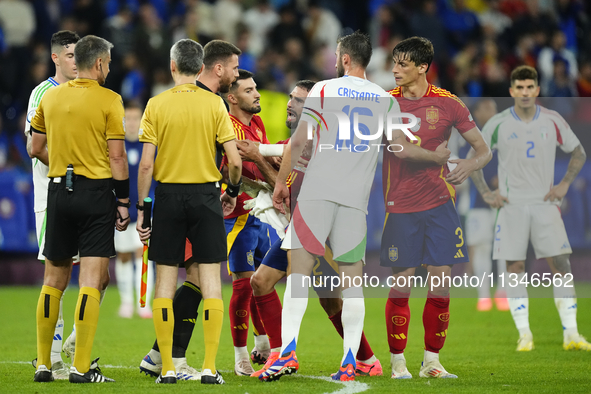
(492, 198)
(577, 160)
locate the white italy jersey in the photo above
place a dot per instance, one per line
(527, 152)
(342, 170)
(40, 170)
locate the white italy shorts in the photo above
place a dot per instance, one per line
(40, 228)
(313, 222)
(480, 224)
(540, 223)
(129, 240)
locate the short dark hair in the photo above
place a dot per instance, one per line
(63, 38)
(305, 84)
(242, 75)
(88, 49)
(218, 51)
(188, 56)
(358, 46)
(522, 73)
(416, 49)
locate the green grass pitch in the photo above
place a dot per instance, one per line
(480, 349)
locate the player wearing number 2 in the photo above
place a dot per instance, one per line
(526, 136)
(422, 224)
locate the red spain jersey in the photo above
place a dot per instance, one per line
(254, 132)
(413, 186)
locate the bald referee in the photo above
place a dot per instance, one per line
(82, 125)
(184, 123)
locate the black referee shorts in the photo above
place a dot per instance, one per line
(192, 211)
(82, 220)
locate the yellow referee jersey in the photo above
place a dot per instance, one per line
(78, 118)
(184, 123)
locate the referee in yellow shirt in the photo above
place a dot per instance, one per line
(185, 123)
(82, 124)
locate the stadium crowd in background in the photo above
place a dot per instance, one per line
(477, 43)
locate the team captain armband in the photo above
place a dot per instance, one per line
(121, 188)
(267, 150)
(34, 130)
(233, 190)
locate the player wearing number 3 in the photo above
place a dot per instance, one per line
(526, 136)
(422, 224)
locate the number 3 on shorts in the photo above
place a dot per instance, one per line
(460, 236)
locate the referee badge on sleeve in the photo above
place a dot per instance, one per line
(393, 253)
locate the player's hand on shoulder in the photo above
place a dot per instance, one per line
(494, 199)
(557, 193)
(442, 153)
(228, 204)
(248, 150)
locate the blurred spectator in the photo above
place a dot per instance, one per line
(523, 53)
(464, 62)
(17, 19)
(570, 20)
(549, 54)
(118, 29)
(89, 16)
(513, 8)
(295, 58)
(493, 21)
(191, 28)
(288, 27)
(561, 85)
(321, 26)
(387, 23)
(133, 86)
(246, 60)
(162, 81)
(259, 20)
(205, 18)
(461, 24)
(584, 81)
(493, 71)
(427, 23)
(228, 13)
(152, 40)
(534, 20)
(13, 152)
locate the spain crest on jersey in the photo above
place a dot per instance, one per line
(432, 115)
(250, 258)
(393, 253)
